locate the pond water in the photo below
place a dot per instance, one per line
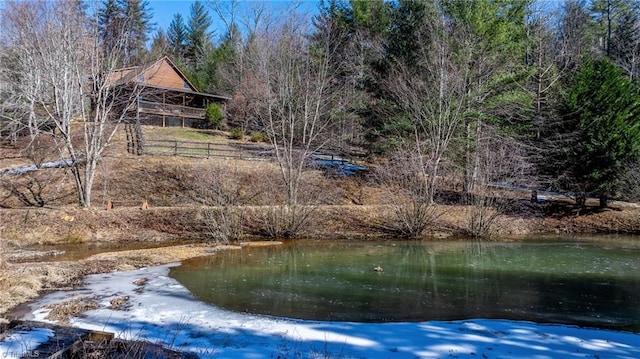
(588, 282)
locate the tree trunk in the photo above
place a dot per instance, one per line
(604, 200)
(75, 170)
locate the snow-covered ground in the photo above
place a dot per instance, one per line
(24, 343)
(163, 311)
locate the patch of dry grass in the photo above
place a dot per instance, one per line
(14, 287)
(62, 312)
(184, 134)
(120, 303)
(163, 255)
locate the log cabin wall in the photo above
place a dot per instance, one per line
(167, 97)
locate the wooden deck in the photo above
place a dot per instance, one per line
(167, 110)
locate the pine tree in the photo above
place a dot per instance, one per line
(110, 23)
(411, 24)
(125, 24)
(198, 34)
(159, 45)
(606, 14)
(489, 46)
(137, 19)
(177, 36)
(599, 133)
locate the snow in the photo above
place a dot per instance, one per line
(65, 162)
(163, 311)
(24, 343)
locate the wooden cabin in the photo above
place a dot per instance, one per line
(165, 96)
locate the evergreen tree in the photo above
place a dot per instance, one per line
(159, 45)
(599, 134)
(489, 46)
(137, 21)
(331, 23)
(177, 36)
(405, 41)
(125, 24)
(229, 66)
(110, 23)
(411, 25)
(198, 34)
(606, 14)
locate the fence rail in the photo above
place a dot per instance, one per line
(205, 149)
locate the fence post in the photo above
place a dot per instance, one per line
(208, 149)
(175, 148)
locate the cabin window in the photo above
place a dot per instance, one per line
(141, 78)
(186, 85)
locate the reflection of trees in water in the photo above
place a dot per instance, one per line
(480, 255)
(454, 276)
(425, 280)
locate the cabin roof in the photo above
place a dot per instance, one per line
(162, 74)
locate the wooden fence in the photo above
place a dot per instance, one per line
(206, 149)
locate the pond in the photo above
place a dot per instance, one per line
(587, 282)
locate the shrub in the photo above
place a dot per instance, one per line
(285, 221)
(257, 137)
(225, 224)
(236, 133)
(214, 116)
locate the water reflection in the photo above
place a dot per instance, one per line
(574, 282)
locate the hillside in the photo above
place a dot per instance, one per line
(179, 189)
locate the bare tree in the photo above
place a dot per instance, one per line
(431, 93)
(227, 12)
(248, 29)
(403, 178)
(576, 30)
(503, 169)
(543, 58)
(70, 79)
(37, 188)
(222, 195)
(434, 100)
(19, 110)
(40, 183)
(295, 89)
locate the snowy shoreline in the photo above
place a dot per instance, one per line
(162, 311)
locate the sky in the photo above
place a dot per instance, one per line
(162, 311)
(164, 10)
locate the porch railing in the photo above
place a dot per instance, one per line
(170, 110)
